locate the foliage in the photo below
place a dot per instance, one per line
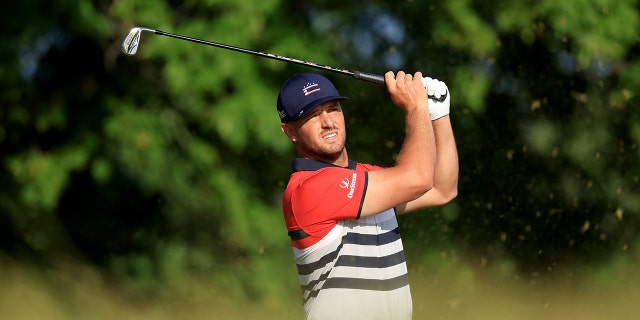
(170, 163)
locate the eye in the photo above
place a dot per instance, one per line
(310, 115)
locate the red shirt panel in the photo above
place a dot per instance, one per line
(315, 201)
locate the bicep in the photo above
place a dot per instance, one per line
(389, 188)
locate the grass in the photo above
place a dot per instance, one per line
(76, 291)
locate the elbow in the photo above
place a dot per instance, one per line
(421, 183)
(453, 193)
(450, 194)
(427, 180)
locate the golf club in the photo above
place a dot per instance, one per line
(132, 41)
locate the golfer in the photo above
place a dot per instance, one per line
(341, 214)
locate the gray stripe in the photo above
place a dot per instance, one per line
(362, 284)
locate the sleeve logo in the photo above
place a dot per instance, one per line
(351, 185)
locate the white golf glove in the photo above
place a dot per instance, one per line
(437, 89)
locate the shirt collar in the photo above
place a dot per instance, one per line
(301, 164)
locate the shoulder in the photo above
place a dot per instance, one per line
(367, 167)
(320, 178)
(333, 183)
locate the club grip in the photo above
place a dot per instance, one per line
(369, 77)
(379, 80)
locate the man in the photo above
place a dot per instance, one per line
(341, 215)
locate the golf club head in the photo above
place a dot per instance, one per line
(131, 41)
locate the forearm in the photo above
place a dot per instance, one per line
(412, 175)
(445, 180)
(445, 177)
(418, 152)
(446, 170)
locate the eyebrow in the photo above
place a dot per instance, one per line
(317, 109)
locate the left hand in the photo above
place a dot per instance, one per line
(437, 89)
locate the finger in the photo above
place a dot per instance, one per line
(389, 77)
(433, 88)
(439, 88)
(430, 87)
(390, 81)
(417, 79)
(443, 88)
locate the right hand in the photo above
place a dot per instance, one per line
(406, 91)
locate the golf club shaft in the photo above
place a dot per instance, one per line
(132, 40)
(372, 78)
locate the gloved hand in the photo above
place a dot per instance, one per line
(437, 89)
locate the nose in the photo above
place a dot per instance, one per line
(325, 120)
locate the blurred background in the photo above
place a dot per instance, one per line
(149, 186)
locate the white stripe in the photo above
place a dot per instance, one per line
(370, 273)
(360, 304)
(335, 233)
(359, 251)
(377, 224)
(357, 273)
(372, 251)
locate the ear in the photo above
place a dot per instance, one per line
(288, 131)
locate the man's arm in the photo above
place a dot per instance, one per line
(413, 173)
(445, 185)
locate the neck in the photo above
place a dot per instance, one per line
(340, 160)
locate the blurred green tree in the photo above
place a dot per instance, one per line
(171, 163)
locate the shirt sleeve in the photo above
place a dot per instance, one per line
(329, 195)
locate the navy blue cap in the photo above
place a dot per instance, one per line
(303, 92)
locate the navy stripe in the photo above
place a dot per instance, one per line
(298, 234)
(311, 267)
(300, 164)
(362, 262)
(350, 238)
(371, 262)
(364, 193)
(309, 286)
(367, 284)
(372, 239)
(312, 294)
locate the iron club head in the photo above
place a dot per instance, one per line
(131, 41)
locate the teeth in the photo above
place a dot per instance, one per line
(331, 136)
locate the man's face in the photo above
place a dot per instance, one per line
(320, 134)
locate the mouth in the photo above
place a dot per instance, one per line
(330, 136)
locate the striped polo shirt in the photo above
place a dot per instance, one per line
(349, 267)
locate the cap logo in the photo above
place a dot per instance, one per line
(310, 88)
(282, 114)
